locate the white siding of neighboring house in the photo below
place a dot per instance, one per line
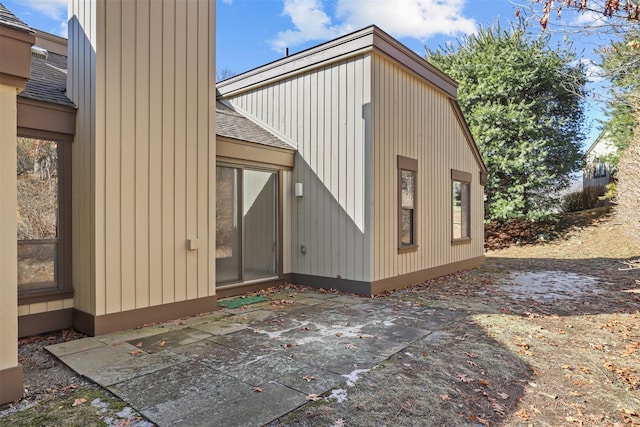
(597, 171)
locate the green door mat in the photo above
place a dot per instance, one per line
(240, 301)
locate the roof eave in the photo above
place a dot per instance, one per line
(368, 39)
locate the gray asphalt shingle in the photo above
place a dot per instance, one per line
(48, 81)
(10, 20)
(231, 124)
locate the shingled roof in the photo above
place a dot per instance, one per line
(48, 81)
(231, 124)
(10, 20)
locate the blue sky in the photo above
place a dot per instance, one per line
(250, 33)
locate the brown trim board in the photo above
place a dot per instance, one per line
(98, 325)
(409, 279)
(34, 324)
(46, 120)
(11, 383)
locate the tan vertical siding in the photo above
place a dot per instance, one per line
(413, 119)
(8, 247)
(82, 89)
(321, 112)
(142, 76)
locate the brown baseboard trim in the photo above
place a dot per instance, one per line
(406, 280)
(98, 325)
(342, 285)
(11, 383)
(34, 324)
(241, 289)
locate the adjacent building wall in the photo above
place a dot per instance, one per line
(142, 75)
(10, 370)
(322, 112)
(412, 118)
(15, 60)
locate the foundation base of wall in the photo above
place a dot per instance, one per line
(389, 284)
(98, 325)
(11, 383)
(342, 285)
(410, 279)
(242, 288)
(34, 324)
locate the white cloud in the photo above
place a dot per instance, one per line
(310, 22)
(595, 73)
(587, 18)
(64, 29)
(54, 9)
(419, 19)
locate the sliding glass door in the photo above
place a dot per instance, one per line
(247, 224)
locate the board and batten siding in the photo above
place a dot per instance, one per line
(412, 118)
(322, 112)
(142, 75)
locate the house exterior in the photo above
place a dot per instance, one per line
(346, 166)
(597, 167)
(390, 180)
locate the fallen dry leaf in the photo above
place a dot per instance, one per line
(139, 344)
(313, 397)
(503, 396)
(464, 378)
(338, 423)
(522, 414)
(162, 343)
(445, 397)
(258, 389)
(471, 355)
(79, 402)
(134, 352)
(309, 378)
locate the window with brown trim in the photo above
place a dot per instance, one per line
(460, 207)
(43, 219)
(407, 203)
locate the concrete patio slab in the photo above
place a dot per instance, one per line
(177, 392)
(249, 365)
(76, 346)
(249, 340)
(110, 364)
(170, 339)
(341, 360)
(250, 317)
(250, 409)
(219, 327)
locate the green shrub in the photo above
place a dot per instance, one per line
(588, 198)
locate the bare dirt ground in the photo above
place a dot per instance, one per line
(547, 333)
